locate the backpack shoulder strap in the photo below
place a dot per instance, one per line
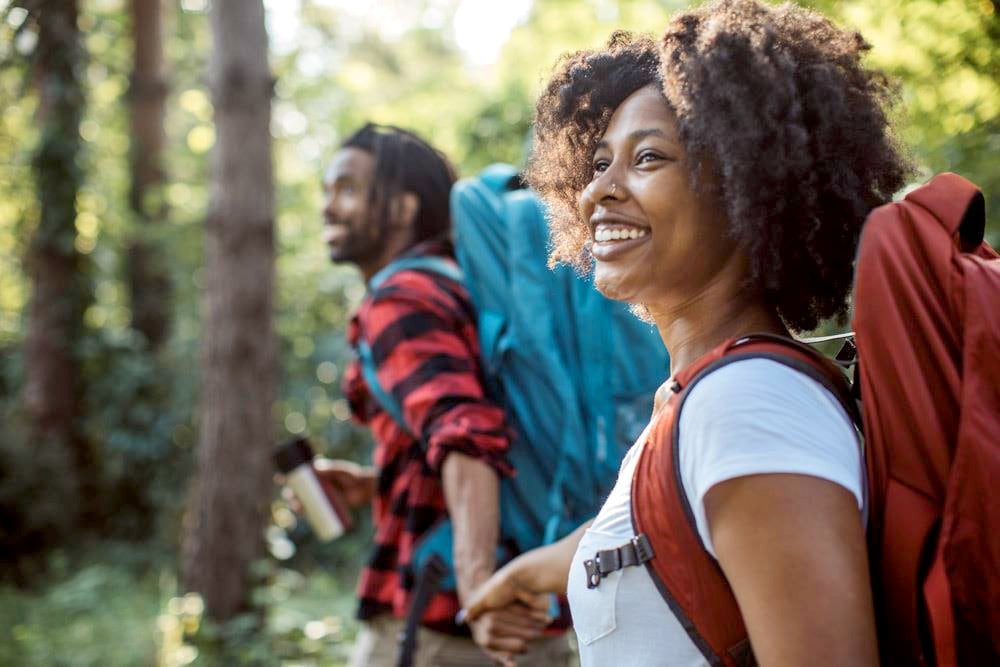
(440, 266)
(687, 577)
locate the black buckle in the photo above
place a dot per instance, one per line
(643, 548)
(636, 551)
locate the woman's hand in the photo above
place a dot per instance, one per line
(505, 614)
(508, 586)
(504, 609)
(526, 578)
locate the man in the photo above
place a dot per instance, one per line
(387, 198)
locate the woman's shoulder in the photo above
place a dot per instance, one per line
(759, 416)
(757, 389)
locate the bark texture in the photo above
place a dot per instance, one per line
(148, 275)
(52, 391)
(232, 488)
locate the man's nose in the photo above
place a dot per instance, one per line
(329, 206)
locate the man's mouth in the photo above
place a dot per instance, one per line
(335, 234)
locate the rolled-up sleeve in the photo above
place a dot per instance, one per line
(427, 357)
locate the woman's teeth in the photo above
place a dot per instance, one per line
(619, 234)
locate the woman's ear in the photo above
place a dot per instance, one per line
(404, 209)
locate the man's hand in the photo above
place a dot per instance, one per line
(522, 586)
(505, 616)
(356, 483)
(507, 631)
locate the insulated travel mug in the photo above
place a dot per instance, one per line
(324, 509)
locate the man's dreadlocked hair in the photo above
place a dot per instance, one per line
(406, 163)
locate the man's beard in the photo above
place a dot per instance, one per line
(361, 245)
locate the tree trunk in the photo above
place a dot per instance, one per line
(59, 288)
(148, 277)
(232, 488)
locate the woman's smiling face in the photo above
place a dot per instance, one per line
(653, 237)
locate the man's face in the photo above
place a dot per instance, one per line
(348, 228)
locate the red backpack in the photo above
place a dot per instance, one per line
(927, 322)
(927, 291)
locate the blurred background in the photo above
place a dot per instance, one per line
(107, 130)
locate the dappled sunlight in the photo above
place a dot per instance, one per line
(99, 484)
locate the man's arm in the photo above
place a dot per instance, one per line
(433, 370)
(472, 495)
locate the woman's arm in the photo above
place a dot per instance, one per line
(527, 578)
(793, 550)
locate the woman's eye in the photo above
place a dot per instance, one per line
(600, 166)
(647, 156)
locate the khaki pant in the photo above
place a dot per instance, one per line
(378, 642)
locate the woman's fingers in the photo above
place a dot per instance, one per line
(505, 645)
(528, 615)
(513, 621)
(537, 605)
(494, 593)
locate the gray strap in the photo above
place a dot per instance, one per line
(636, 551)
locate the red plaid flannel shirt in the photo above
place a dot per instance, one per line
(422, 333)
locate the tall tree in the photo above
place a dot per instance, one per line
(232, 487)
(60, 291)
(149, 280)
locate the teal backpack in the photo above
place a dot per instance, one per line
(574, 371)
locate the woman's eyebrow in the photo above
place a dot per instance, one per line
(638, 135)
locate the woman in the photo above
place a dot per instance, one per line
(720, 182)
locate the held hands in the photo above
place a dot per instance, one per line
(507, 631)
(505, 614)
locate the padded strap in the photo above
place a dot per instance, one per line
(381, 396)
(694, 586)
(441, 266)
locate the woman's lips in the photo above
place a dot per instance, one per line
(612, 240)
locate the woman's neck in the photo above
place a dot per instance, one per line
(723, 309)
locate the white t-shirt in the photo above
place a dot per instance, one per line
(749, 417)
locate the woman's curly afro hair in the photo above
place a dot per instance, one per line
(775, 103)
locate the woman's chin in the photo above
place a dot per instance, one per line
(613, 286)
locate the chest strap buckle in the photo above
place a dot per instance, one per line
(636, 551)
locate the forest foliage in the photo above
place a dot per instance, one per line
(335, 66)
